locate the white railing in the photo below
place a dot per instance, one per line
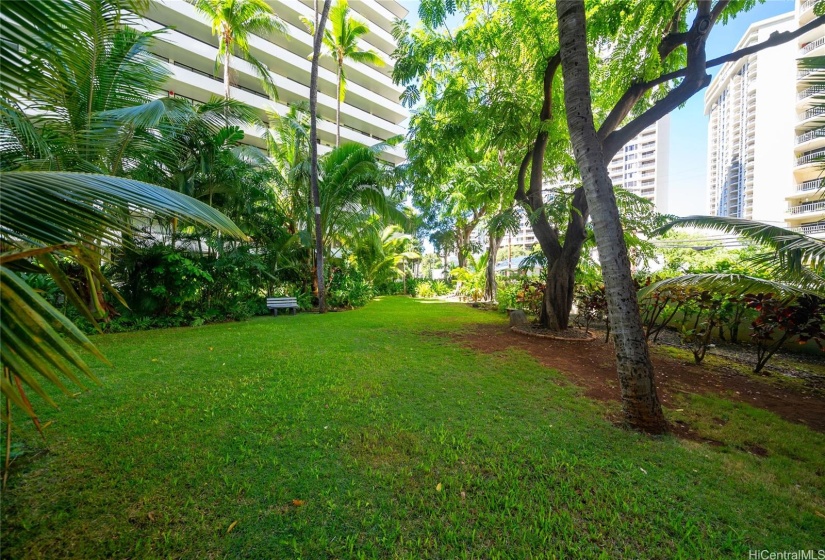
(810, 135)
(810, 157)
(813, 90)
(807, 72)
(807, 5)
(811, 185)
(812, 45)
(807, 207)
(814, 228)
(812, 112)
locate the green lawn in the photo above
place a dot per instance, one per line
(399, 443)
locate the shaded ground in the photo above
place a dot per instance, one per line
(591, 365)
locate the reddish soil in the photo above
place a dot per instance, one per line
(591, 365)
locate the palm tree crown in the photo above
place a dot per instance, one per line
(233, 21)
(341, 43)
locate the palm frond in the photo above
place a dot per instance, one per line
(49, 208)
(730, 284)
(795, 250)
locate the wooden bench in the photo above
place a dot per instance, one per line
(276, 303)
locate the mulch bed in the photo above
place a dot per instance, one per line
(591, 365)
(531, 329)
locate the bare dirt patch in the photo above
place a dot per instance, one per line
(591, 365)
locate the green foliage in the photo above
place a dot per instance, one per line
(591, 302)
(779, 321)
(233, 21)
(348, 289)
(530, 296)
(507, 295)
(435, 288)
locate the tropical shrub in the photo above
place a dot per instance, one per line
(348, 289)
(698, 334)
(507, 295)
(530, 296)
(591, 302)
(779, 321)
(660, 307)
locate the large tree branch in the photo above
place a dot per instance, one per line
(718, 9)
(635, 92)
(615, 139)
(521, 194)
(553, 64)
(576, 233)
(670, 43)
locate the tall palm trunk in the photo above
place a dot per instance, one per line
(226, 91)
(313, 140)
(227, 41)
(338, 108)
(640, 401)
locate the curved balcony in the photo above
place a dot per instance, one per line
(811, 74)
(807, 186)
(805, 189)
(812, 114)
(808, 208)
(812, 139)
(817, 229)
(816, 156)
(810, 92)
(812, 46)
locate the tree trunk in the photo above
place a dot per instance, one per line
(640, 401)
(338, 110)
(558, 295)
(490, 285)
(462, 256)
(226, 75)
(313, 140)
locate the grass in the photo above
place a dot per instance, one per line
(372, 434)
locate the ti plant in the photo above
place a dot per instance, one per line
(698, 335)
(779, 322)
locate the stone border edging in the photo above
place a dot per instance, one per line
(525, 332)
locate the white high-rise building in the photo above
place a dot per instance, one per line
(641, 166)
(766, 130)
(371, 112)
(806, 199)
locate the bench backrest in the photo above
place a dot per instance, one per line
(282, 301)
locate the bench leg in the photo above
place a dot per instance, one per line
(274, 311)
(293, 310)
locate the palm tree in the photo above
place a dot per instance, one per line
(233, 21)
(48, 216)
(313, 147)
(378, 253)
(352, 185)
(342, 45)
(88, 105)
(77, 85)
(794, 261)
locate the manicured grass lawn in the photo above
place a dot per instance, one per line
(372, 434)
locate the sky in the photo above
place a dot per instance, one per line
(689, 125)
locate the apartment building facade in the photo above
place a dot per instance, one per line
(806, 199)
(371, 112)
(765, 133)
(641, 166)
